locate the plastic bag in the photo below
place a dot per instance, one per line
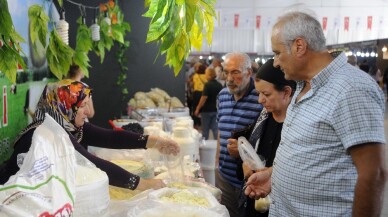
(154, 209)
(248, 154)
(91, 189)
(262, 204)
(216, 192)
(45, 184)
(150, 204)
(249, 157)
(136, 161)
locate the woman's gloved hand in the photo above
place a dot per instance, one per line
(145, 184)
(163, 145)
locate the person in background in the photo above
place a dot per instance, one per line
(385, 80)
(376, 74)
(364, 66)
(76, 74)
(238, 107)
(331, 157)
(189, 83)
(216, 64)
(275, 93)
(352, 60)
(66, 102)
(255, 69)
(207, 104)
(199, 81)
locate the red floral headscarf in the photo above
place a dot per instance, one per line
(61, 100)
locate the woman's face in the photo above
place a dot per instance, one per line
(82, 113)
(272, 99)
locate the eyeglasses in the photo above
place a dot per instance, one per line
(233, 73)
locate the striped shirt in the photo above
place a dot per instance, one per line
(313, 174)
(234, 115)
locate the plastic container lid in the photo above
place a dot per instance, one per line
(248, 154)
(209, 144)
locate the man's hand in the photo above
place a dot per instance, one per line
(232, 148)
(259, 184)
(196, 113)
(145, 184)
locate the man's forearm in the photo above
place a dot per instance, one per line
(369, 196)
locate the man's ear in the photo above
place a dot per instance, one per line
(300, 46)
(249, 71)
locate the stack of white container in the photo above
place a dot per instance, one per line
(207, 153)
(182, 132)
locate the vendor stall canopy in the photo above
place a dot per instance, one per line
(245, 25)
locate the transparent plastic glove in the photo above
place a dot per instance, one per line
(164, 145)
(145, 184)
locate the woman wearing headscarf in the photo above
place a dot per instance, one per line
(66, 102)
(275, 93)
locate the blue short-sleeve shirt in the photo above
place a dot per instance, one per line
(313, 173)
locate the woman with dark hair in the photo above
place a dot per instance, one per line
(66, 102)
(275, 93)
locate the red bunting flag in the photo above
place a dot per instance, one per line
(369, 22)
(324, 23)
(236, 16)
(258, 20)
(346, 23)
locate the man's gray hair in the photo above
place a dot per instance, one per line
(245, 60)
(300, 24)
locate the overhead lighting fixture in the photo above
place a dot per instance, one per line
(384, 49)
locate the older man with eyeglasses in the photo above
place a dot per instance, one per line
(238, 107)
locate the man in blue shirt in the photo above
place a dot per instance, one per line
(238, 107)
(331, 157)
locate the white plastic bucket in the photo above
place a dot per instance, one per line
(209, 174)
(207, 153)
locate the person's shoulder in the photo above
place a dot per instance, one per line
(25, 137)
(350, 78)
(352, 74)
(225, 91)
